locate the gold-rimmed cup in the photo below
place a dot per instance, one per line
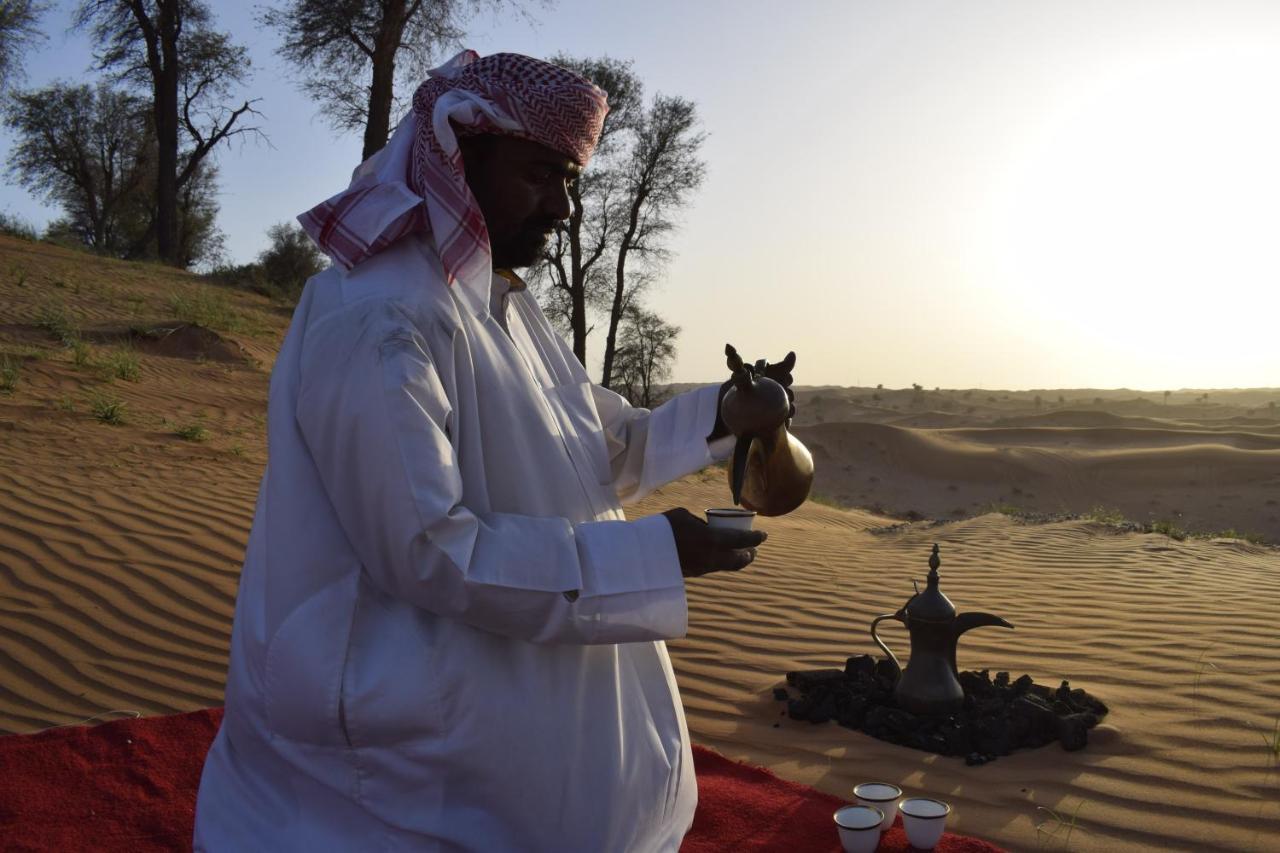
(924, 818)
(859, 828)
(882, 796)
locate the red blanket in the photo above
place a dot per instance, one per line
(130, 786)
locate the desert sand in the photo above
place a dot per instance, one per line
(120, 546)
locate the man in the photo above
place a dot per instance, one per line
(447, 635)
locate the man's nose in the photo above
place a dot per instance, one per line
(556, 203)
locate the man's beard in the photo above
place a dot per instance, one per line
(526, 248)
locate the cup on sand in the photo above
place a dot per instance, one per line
(924, 820)
(859, 828)
(880, 795)
(732, 518)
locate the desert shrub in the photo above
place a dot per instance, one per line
(8, 374)
(80, 353)
(55, 319)
(281, 270)
(205, 306)
(290, 260)
(15, 226)
(123, 364)
(1105, 515)
(106, 409)
(192, 432)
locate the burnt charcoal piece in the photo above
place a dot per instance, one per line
(859, 667)
(1073, 731)
(998, 717)
(886, 672)
(814, 678)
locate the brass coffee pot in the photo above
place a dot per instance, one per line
(772, 471)
(930, 684)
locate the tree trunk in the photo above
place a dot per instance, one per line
(578, 282)
(166, 117)
(619, 288)
(377, 128)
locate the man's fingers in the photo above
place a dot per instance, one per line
(722, 538)
(789, 362)
(732, 561)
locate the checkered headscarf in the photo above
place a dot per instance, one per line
(416, 182)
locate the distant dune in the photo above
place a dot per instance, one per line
(1198, 480)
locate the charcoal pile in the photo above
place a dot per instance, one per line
(999, 715)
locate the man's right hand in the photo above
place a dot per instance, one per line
(704, 549)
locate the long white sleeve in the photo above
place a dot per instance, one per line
(377, 421)
(650, 448)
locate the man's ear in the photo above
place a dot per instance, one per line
(475, 152)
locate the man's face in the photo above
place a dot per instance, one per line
(522, 189)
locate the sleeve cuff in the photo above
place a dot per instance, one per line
(632, 581)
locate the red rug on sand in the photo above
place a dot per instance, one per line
(130, 785)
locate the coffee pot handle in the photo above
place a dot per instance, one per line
(890, 656)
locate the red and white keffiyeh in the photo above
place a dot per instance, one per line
(416, 182)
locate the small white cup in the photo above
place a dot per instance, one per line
(924, 820)
(882, 796)
(732, 518)
(859, 828)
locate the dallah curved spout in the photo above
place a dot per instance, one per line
(969, 621)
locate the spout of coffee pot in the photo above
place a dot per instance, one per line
(738, 470)
(969, 621)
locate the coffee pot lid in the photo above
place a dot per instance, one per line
(931, 605)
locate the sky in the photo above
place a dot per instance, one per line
(996, 194)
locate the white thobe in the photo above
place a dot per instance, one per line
(447, 636)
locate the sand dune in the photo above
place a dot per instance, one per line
(120, 549)
(1205, 481)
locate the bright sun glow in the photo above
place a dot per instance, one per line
(1142, 225)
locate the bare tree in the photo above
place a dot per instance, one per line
(577, 265)
(19, 20)
(351, 52)
(623, 207)
(170, 48)
(646, 349)
(662, 172)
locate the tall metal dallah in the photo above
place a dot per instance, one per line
(772, 471)
(931, 684)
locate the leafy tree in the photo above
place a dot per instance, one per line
(351, 53)
(82, 148)
(91, 150)
(290, 260)
(170, 49)
(19, 29)
(646, 349)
